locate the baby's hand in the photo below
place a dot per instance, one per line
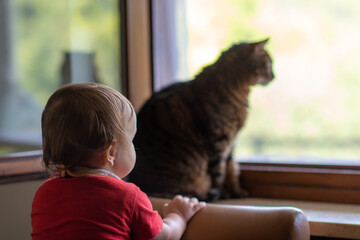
(176, 215)
(184, 206)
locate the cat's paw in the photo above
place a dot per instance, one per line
(235, 193)
(213, 195)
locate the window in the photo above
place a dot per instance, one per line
(171, 48)
(309, 113)
(45, 44)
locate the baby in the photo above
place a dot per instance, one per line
(87, 131)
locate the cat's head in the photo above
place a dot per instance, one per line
(251, 59)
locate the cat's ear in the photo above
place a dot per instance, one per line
(258, 46)
(261, 44)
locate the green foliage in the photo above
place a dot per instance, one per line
(302, 121)
(246, 10)
(42, 30)
(45, 29)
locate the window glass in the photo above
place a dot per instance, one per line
(310, 109)
(46, 44)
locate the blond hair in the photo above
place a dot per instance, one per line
(80, 121)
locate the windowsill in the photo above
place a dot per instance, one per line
(301, 183)
(19, 167)
(325, 219)
(304, 161)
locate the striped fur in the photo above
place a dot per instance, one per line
(186, 132)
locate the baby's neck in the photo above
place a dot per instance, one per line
(91, 172)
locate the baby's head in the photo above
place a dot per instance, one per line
(81, 122)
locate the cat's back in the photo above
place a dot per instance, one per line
(166, 96)
(165, 107)
(164, 124)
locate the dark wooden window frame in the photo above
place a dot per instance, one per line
(21, 167)
(337, 184)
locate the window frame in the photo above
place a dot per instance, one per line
(24, 166)
(293, 181)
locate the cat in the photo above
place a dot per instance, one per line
(186, 132)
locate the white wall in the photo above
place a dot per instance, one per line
(15, 209)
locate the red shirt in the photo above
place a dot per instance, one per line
(93, 207)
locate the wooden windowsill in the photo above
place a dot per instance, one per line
(21, 167)
(325, 219)
(301, 183)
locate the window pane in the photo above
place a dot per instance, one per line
(310, 109)
(48, 44)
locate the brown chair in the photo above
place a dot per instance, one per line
(221, 221)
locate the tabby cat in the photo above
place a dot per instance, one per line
(186, 132)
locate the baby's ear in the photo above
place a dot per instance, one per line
(110, 153)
